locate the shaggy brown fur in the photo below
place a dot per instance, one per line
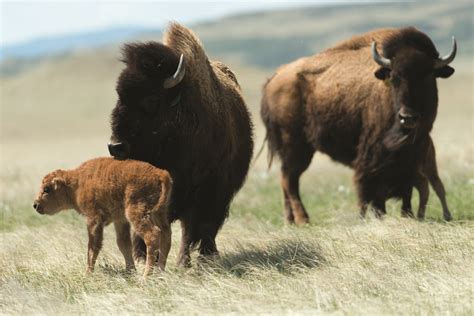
(333, 102)
(106, 191)
(199, 130)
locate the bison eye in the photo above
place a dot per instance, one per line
(46, 190)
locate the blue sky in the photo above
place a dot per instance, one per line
(22, 21)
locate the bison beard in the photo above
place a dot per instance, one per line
(374, 120)
(197, 128)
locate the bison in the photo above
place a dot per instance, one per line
(182, 112)
(370, 112)
(106, 190)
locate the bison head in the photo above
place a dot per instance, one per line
(411, 67)
(53, 194)
(148, 91)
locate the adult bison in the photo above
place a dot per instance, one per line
(184, 113)
(369, 112)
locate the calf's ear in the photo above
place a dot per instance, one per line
(57, 182)
(382, 73)
(444, 72)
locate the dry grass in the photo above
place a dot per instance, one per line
(394, 266)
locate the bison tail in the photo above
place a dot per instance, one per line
(164, 201)
(272, 136)
(270, 155)
(259, 151)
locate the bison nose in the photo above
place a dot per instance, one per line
(118, 150)
(37, 207)
(407, 119)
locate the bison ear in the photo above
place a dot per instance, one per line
(58, 179)
(444, 72)
(382, 73)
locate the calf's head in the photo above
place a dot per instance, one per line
(148, 90)
(411, 66)
(52, 196)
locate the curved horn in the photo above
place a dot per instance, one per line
(382, 61)
(443, 61)
(176, 78)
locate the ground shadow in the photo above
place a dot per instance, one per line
(285, 256)
(115, 270)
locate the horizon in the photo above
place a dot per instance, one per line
(48, 20)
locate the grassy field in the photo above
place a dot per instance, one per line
(56, 116)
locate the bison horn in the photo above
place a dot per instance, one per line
(176, 78)
(446, 60)
(382, 61)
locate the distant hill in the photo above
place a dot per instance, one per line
(66, 43)
(269, 38)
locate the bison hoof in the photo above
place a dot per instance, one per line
(301, 220)
(407, 214)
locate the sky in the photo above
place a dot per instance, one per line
(21, 21)
(26, 20)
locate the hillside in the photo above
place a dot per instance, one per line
(268, 39)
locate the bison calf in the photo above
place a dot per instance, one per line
(124, 192)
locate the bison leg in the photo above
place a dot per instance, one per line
(152, 240)
(122, 230)
(406, 203)
(438, 187)
(95, 230)
(295, 160)
(165, 245)
(430, 169)
(379, 207)
(208, 232)
(286, 202)
(290, 184)
(363, 209)
(139, 247)
(421, 184)
(184, 256)
(150, 232)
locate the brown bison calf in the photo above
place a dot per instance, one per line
(124, 192)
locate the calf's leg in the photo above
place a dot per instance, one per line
(152, 240)
(95, 229)
(122, 230)
(139, 247)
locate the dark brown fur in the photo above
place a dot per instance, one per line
(204, 140)
(106, 190)
(333, 103)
